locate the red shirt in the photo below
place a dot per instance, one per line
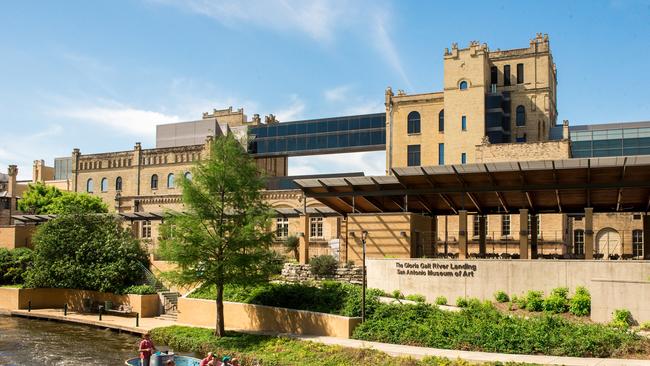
(204, 362)
(146, 343)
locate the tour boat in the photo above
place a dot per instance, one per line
(160, 359)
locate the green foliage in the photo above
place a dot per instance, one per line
(462, 302)
(291, 244)
(14, 264)
(501, 296)
(326, 297)
(558, 301)
(622, 318)
(90, 252)
(416, 298)
(482, 327)
(645, 326)
(534, 301)
(140, 290)
(253, 349)
(323, 265)
(221, 237)
(441, 300)
(42, 199)
(580, 303)
(520, 301)
(397, 294)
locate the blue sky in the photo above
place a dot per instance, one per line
(99, 75)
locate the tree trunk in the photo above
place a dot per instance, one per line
(220, 329)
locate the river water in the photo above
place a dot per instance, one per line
(31, 342)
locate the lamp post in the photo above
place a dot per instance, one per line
(364, 235)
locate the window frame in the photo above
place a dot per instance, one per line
(463, 123)
(282, 227)
(316, 227)
(103, 185)
(506, 75)
(154, 181)
(118, 184)
(90, 186)
(413, 121)
(520, 73)
(413, 155)
(637, 243)
(441, 153)
(520, 116)
(441, 121)
(463, 85)
(145, 229)
(505, 225)
(578, 242)
(463, 158)
(171, 181)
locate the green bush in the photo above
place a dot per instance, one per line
(397, 294)
(323, 265)
(327, 297)
(580, 303)
(86, 251)
(622, 318)
(140, 290)
(441, 300)
(416, 298)
(501, 296)
(482, 327)
(14, 264)
(557, 302)
(534, 301)
(645, 326)
(462, 302)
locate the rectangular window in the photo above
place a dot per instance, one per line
(146, 229)
(6, 203)
(463, 123)
(463, 158)
(637, 243)
(494, 75)
(506, 75)
(520, 73)
(505, 225)
(316, 227)
(413, 152)
(578, 242)
(282, 227)
(538, 225)
(476, 225)
(441, 154)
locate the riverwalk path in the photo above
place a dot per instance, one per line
(128, 325)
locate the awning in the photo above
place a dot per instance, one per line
(616, 184)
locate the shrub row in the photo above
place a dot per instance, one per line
(482, 327)
(557, 302)
(327, 297)
(14, 264)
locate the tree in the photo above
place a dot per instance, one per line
(37, 198)
(292, 244)
(89, 252)
(222, 236)
(40, 199)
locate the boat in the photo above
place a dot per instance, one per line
(159, 359)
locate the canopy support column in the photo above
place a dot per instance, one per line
(523, 233)
(533, 235)
(646, 237)
(482, 236)
(462, 234)
(589, 233)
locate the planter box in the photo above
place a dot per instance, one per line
(249, 317)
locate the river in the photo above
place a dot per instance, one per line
(31, 342)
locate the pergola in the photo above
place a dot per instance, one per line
(578, 186)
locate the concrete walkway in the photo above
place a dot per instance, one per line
(128, 325)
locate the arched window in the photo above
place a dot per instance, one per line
(188, 175)
(414, 122)
(637, 243)
(154, 181)
(104, 185)
(441, 120)
(463, 85)
(89, 185)
(118, 184)
(170, 180)
(579, 242)
(521, 116)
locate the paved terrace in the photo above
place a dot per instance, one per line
(146, 324)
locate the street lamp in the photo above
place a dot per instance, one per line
(364, 235)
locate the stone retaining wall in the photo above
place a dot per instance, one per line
(294, 272)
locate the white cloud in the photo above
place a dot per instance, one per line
(121, 118)
(350, 103)
(316, 18)
(385, 45)
(293, 112)
(337, 94)
(22, 149)
(371, 163)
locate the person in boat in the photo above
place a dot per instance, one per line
(207, 359)
(226, 361)
(146, 349)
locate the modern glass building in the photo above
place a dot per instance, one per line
(320, 136)
(612, 139)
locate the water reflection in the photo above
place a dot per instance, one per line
(38, 342)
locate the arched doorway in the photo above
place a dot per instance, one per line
(608, 242)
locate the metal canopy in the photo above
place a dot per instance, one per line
(131, 216)
(613, 184)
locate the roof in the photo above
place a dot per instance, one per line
(613, 184)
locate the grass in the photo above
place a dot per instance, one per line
(13, 286)
(276, 351)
